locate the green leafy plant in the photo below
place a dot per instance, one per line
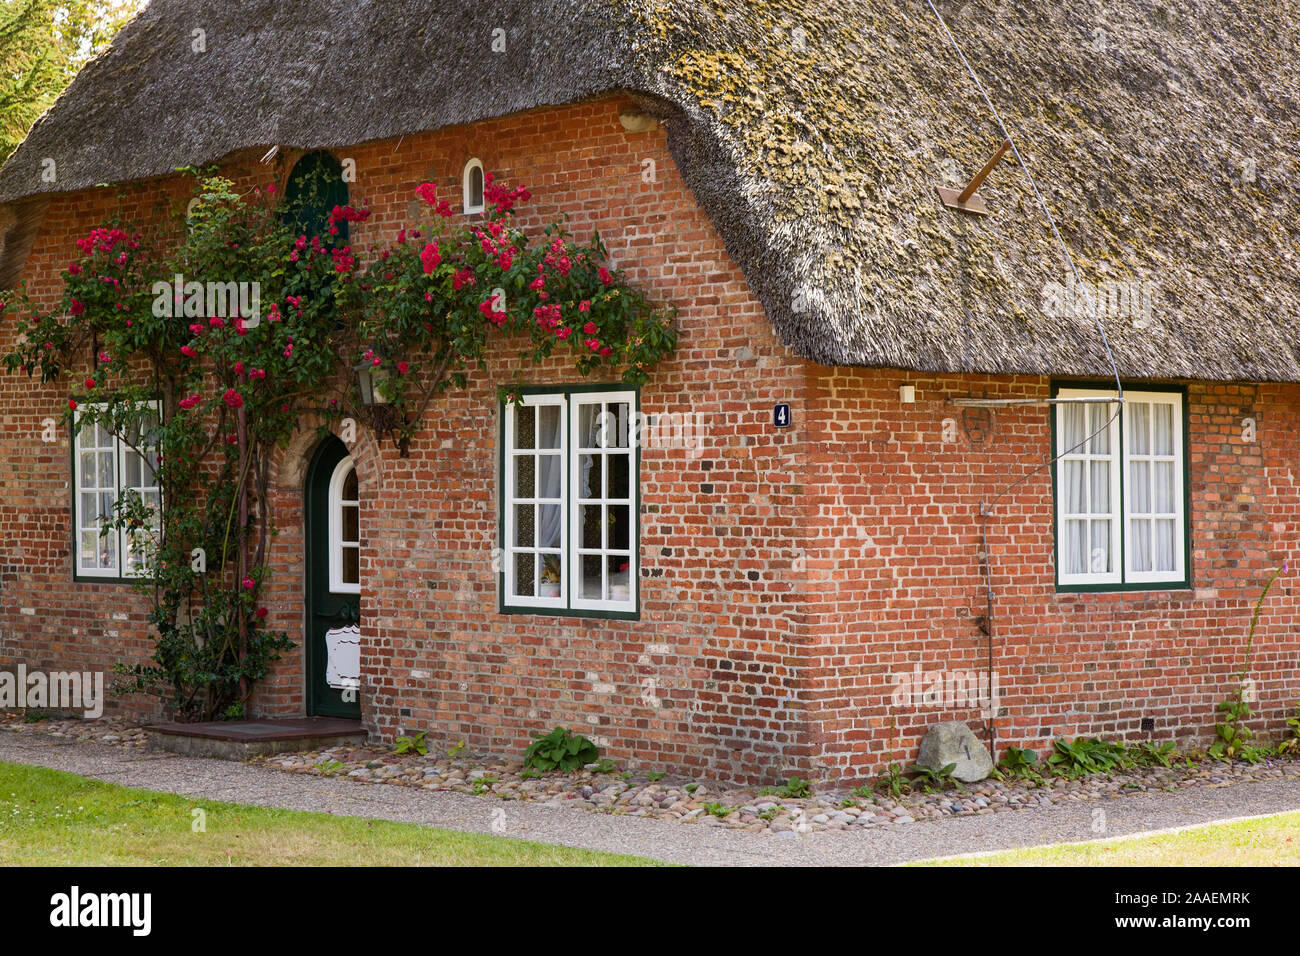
(604, 765)
(456, 750)
(794, 788)
(561, 749)
(717, 810)
(691, 787)
(654, 776)
(893, 781)
(416, 744)
(768, 814)
(931, 779)
(529, 773)
(1019, 762)
(330, 768)
(481, 785)
(1291, 743)
(1254, 755)
(1085, 755)
(1150, 754)
(1231, 735)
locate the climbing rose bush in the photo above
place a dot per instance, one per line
(432, 302)
(210, 398)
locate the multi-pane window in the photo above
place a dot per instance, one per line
(345, 530)
(569, 502)
(105, 468)
(1121, 511)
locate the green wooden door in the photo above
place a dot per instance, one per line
(332, 532)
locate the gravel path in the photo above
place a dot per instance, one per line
(673, 842)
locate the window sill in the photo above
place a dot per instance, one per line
(1143, 587)
(105, 579)
(556, 612)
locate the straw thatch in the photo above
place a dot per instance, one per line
(1163, 136)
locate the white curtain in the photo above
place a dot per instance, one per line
(589, 432)
(1074, 489)
(549, 517)
(1152, 487)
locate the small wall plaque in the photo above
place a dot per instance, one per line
(781, 416)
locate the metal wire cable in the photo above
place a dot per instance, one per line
(986, 559)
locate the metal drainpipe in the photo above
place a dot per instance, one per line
(990, 725)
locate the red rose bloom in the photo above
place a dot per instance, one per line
(430, 257)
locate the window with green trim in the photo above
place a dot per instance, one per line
(569, 503)
(316, 185)
(105, 468)
(1121, 503)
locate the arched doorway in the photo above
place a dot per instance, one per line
(332, 562)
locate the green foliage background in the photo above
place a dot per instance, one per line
(42, 45)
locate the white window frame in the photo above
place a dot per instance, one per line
(467, 201)
(336, 543)
(120, 450)
(1179, 515)
(574, 503)
(570, 557)
(1121, 540)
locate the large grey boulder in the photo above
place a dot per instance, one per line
(954, 742)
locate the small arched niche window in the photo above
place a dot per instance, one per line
(315, 187)
(345, 530)
(472, 180)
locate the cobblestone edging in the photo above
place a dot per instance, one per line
(705, 803)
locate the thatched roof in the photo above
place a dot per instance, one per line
(1163, 135)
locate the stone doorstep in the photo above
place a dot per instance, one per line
(239, 740)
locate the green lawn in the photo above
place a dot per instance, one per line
(1263, 841)
(50, 818)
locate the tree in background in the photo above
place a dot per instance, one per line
(42, 45)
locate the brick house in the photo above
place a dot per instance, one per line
(825, 546)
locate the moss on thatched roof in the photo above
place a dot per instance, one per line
(1162, 134)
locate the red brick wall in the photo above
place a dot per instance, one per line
(896, 580)
(787, 576)
(708, 677)
(46, 621)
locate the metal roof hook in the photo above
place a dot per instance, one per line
(967, 200)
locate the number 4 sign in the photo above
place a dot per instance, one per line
(781, 416)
